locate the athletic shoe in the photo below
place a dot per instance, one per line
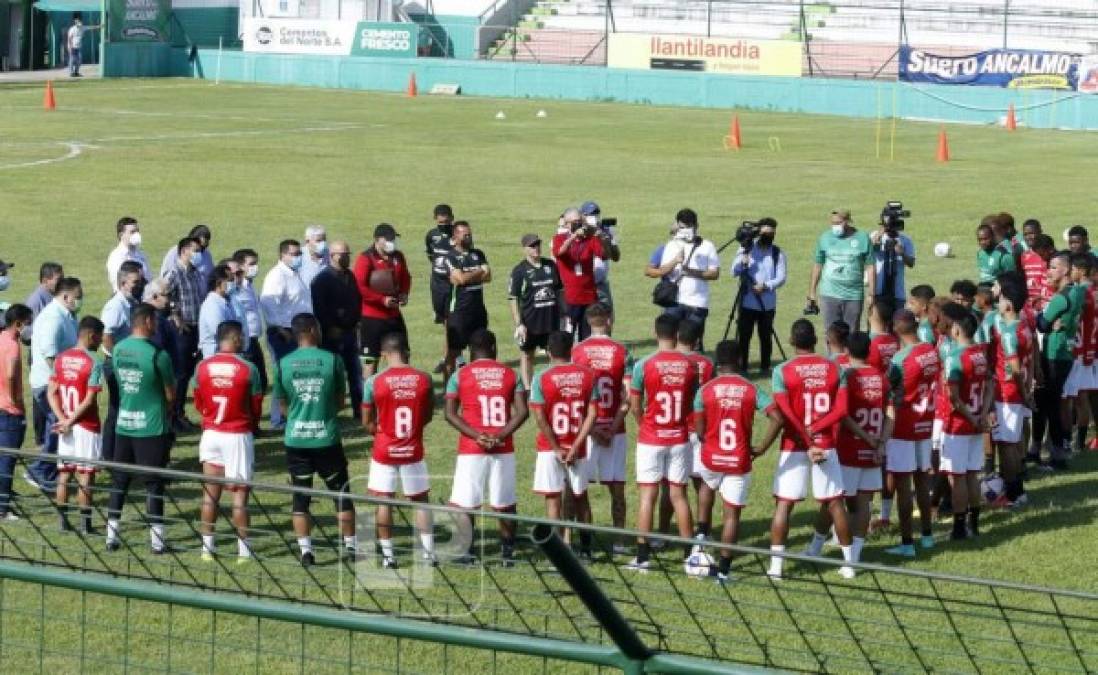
(657, 544)
(723, 578)
(308, 559)
(349, 552)
(621, 549)
(847, 572)
(162, 550)
(429, 559)
(388, 563)
(467, 560)
(113, 546)
(639, 565)
(9, 517)
(586, 558)
(774, 575)
(926, 541)
(31, 480)
(207, 557)
(903, 550)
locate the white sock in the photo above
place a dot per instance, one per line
(386, 547)
(816, 547)
(427, 540)
(886, 509)
(776, 561)
(350, 541)
(848, 553)
(856, 547)
(156, 536)
(305, 544)
(208, 543)
(243, 548)
(112, 530)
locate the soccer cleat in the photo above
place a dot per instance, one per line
(389, 563)
(723, 578)
(113, 545)
(308, 559)
(847, 572)
(638, 565)
(161, 550)
(926, 541)
(903, 550)
(467, 560)
(774, 575)
(207, 556)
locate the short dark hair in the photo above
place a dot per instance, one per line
(130, 267)
(689, 333)
(667, 326)
(768, 222)
(802, 334)
(142, 312)
(838, 333)
(1078, 231)
(201, 232)
(1032, 222)
(123, 223)
(963, 287)
(443, 210)
(598, 314)
(91, 324)
(394, 342)
(49, 270)
(1006, 219)
(228, 329)
(67, 284)
(285, 244)
(559, 344)
(18, 312)
(482, 343)
(858, 345)
(955, 311)
(1083, 261)
(462, 223)
(220, 273)
(905, 323)
(1014, 292)
(185, 242)
(967, 324)
(985, 226)
(1044, 242)
(924, 292)
(687, 217)
(303, 323)
(727, 354)
(242, 254)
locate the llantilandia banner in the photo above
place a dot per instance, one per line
(704, 54)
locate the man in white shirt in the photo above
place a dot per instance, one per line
(316, 253)
(691, 262)
(284, 296)
(129, 248)
(74, 41)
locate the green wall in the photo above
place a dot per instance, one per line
(204, 25)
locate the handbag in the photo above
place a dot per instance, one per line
(666, 292)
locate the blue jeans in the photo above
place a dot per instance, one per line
(696, 314)
(13, 429)
(75, 60)
(280, 346)
(44, 469)
(346, 346)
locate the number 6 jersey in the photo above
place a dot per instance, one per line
(401, 398)
(485, 389)
(729, 403)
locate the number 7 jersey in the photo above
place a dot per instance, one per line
(228, 394)
(486, 390)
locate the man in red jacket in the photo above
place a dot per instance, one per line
(575, 248)
(381, 273)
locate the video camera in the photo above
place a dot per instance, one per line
(893, 214)
(747, 233)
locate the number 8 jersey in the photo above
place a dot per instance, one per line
(485, 389)
(666, 382)
(401, 397)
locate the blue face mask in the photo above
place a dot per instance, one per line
(295, 262)
(320, 247)
(5, 281)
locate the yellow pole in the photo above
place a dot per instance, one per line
(879, 121)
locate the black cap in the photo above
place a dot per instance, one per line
(4, 267)
(386, 230)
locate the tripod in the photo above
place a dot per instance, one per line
(745, 283)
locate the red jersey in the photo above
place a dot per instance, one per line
(842, 361)
(968, 367)
(373, 302)
(867, 395)
(941, 391)
(882, 347)
(486, 390)
(666, 382)
(1035, 270)
(78, 373)
(914, 373)
(228, 393)
(705, 373)
(564, 393)
(1012, 340)
(611, 363)
(1086, 335)
(811, 394)
(729, 403)
(576, 267)
(401, 398)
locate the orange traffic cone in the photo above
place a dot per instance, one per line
(1011, 120)
(48, 101)
(943, 146)
(412, 90)
(732, 140)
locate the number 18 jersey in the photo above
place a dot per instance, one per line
(401, 399)
(228, 394)
(563, 393)
(666, 382)
(729, 403)
(485, 389)
(811, 384)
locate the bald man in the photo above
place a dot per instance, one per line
(336, 303)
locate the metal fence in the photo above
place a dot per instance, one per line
(812, 620)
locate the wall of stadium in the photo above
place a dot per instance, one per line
(851, 98)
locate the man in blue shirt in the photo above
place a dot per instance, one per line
(216, 309)
(892, 252)
(116, 328)
(761, 271)
(49, 274)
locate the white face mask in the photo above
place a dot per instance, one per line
(685, 234)
(388, 246)
(320, 247)
(227, 287)
(5, 281)
(838, 230)
(252, 271)
(135, 239)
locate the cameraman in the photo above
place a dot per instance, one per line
(760, 267)
(575, 247)
(843, 255)
(893, 251)
(592, 215)
(696, 263)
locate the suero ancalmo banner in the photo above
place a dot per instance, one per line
(1014, 68)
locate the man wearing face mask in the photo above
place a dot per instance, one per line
(439, 245)
(383, 281)
(248, 260)
(54, 332)
(316, 257)
(699, 263)
(187, 294)
(843, 261)
(762, 270)
(156, 294)
(203, 262)
(283, 297)
(575, 247)
(129, 248)
(217, 308)
(337, 305)
(116, 328)
(469, 272)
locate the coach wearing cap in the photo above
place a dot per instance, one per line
(533, 293)
(844, 264)
(381, 273)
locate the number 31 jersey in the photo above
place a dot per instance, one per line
(666, 382)
(401, 399)
(228, 394)
(728, 404)
(563, 393)
(485, 389)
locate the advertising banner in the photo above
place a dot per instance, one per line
(330, 37)
(732, 56)
(139, 20)
(1013, 68)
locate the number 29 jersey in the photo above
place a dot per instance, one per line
(401, 398)
(866, 399)
(486, 390)
(666, 382)
(563, 392)
(729, 403)
(811, 384)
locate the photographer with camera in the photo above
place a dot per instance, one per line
(592, 215)
(576, 246)
(693, 262)
(843, 256)
(893, 251)
(760, 266)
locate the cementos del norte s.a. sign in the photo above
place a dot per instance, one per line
(330, 37)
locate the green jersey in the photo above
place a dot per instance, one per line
(993, 264)
(844, 260)
(143, 371)
(926, 331)
(311, 381)
(1057, 345)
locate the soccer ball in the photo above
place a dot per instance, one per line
(991, 486)
(699, 564)
(943, 250)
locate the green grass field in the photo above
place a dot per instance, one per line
(260, 163)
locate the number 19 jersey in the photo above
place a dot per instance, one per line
(486, 389)
(729, 403)
(401, 399)
(563, 393)
(666, 382)
(811, 384)
(228, 394)
(611, 363)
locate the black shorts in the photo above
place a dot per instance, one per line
(151, 451)
(329, 463)
(370, 332)
(460, 326)
(535, 341)
(440, 298)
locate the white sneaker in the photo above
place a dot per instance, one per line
(639, 566)
(9, 517)
(847, 572)
(775, 575)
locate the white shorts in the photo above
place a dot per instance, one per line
(907, 456)
(233, 452)
(413, 478)
(550, 475)
(792, 477)
(657, 463)
(1008, 422)
(1081, 378)
(865, 480)
(607, 460)
(83, 445)
(470, 472)
(732, 486)
(961, 454)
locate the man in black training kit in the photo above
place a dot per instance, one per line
(469, 271)
(438, 246)
(533, 295)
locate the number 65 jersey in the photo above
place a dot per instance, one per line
(401, 399)
(485, 390)
(914, 374)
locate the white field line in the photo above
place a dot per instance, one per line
(75, 149)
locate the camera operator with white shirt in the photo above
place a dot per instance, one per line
(690, 262)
